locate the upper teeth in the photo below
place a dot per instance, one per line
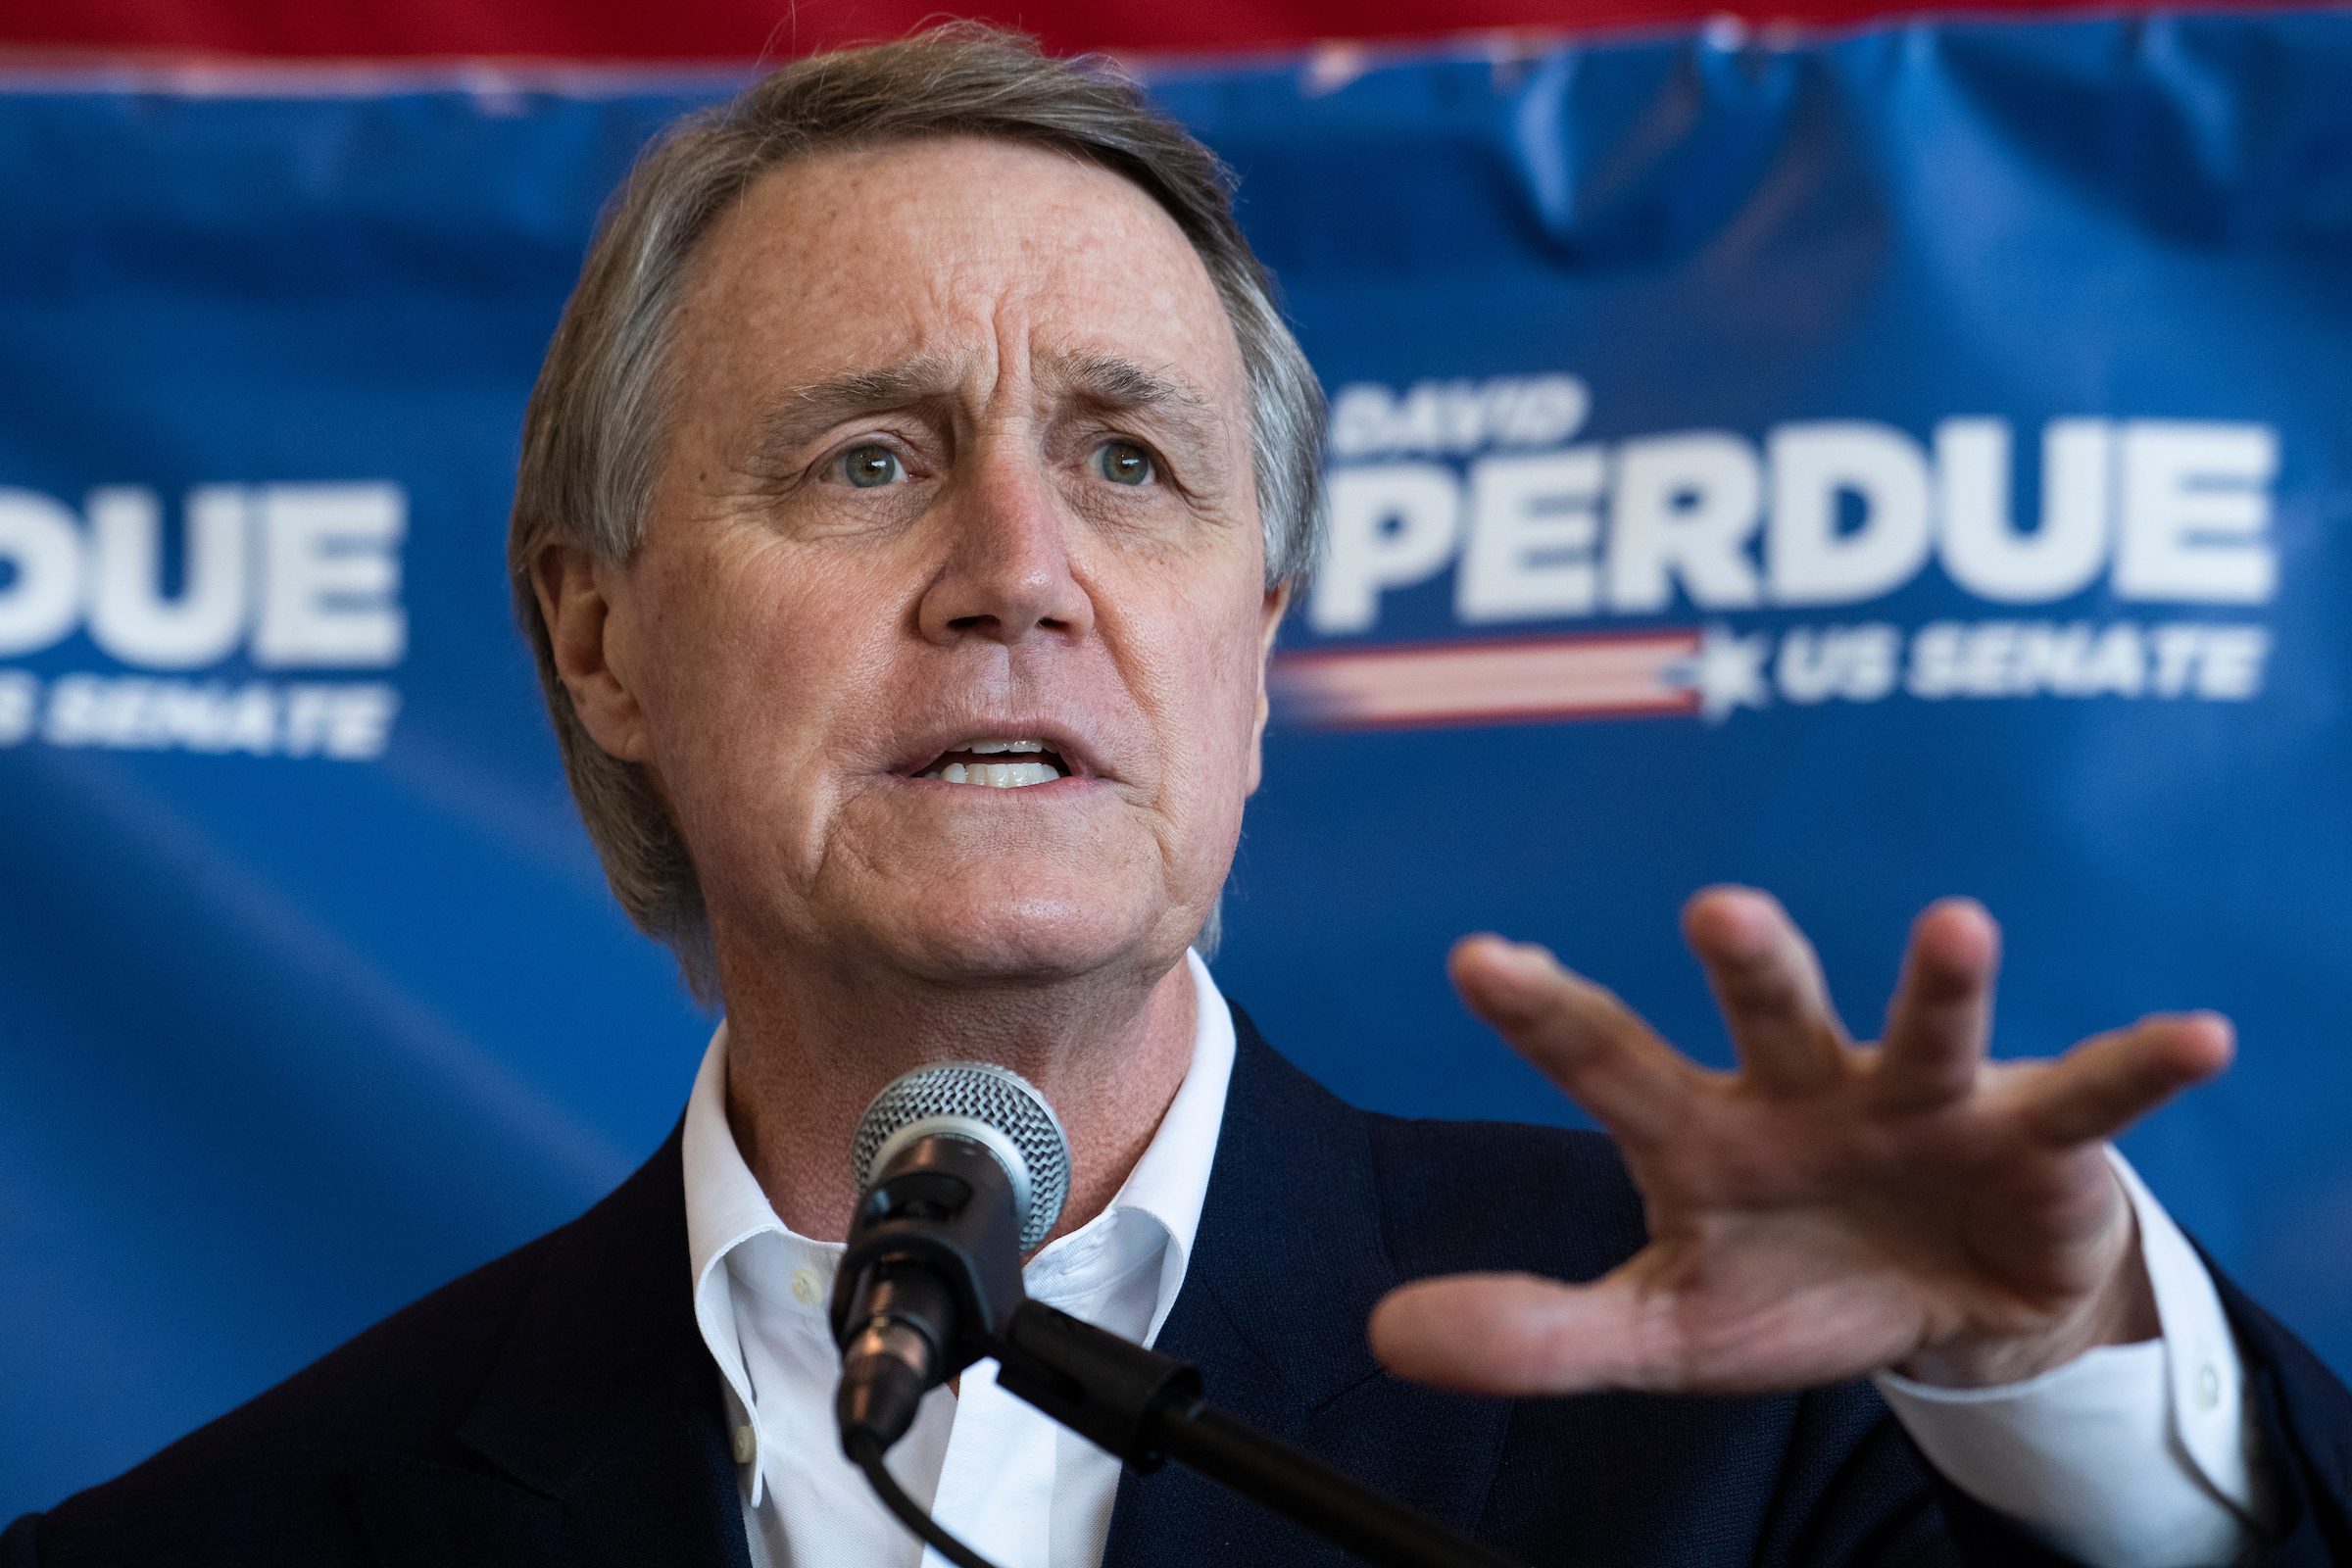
(997, 775)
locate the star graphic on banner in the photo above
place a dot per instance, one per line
(1728, 672)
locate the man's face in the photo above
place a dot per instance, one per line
(961, 462)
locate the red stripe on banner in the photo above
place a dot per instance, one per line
(1522, 680)
(775, 30)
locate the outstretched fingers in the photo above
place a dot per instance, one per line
(1768, 982)
(1942, 1017)
(1577, 1034)
(1512, 1335)
(2110, 1080)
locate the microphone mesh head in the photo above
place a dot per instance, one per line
(992, 1096)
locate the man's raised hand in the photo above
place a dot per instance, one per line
(1829, 1209)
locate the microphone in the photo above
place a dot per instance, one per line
(962, 1170)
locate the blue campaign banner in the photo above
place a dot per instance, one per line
(1870, 466)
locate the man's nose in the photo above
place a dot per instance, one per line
(1008, 573)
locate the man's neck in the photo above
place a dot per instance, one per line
(803, 1062)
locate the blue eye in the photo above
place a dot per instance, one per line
(868, 468)
(1123, 462)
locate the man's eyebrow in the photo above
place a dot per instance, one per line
(1119, 383)
(1106, 382)
(805, 413)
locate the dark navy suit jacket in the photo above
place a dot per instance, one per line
(558, 1407)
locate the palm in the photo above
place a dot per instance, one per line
(1829, 1209)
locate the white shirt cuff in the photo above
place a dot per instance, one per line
(2127, 1455)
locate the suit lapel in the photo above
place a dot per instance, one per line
(602, 1421)
(1290, 1257)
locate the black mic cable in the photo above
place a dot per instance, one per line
(865, 1452)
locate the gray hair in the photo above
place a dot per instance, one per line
(601, 408)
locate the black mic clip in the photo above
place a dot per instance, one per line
(929, 1284)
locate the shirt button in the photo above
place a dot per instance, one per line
(745, 1445)
(807, 1287)
(2209, 1387)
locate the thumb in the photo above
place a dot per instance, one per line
(1509, 1334)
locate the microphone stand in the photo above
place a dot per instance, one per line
(1146, 1408)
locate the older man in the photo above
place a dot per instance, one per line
(907, 507)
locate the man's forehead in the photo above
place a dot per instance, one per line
(875, 257)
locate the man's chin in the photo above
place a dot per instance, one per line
(1036, 944)
(1014, 926)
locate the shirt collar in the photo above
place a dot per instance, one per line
(725, 1207)
(1171, 1181)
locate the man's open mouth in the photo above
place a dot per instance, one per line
(1002, 764)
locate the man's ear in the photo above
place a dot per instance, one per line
(1278, 599)
(576, 592)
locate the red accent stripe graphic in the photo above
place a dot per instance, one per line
(1521, 680)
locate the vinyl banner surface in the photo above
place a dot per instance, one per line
(1871, 467)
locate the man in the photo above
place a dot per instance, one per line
(908, 506)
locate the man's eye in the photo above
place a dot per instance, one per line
(868, 468)
(1123, 462)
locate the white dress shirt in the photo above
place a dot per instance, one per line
(2130, 1454)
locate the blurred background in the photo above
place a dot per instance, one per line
(1867, 455)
